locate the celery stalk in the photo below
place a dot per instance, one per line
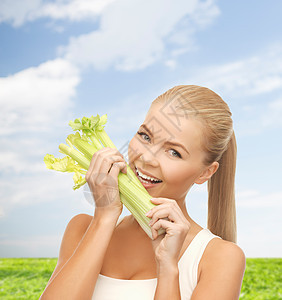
(95, 142)
(105, 140)
(137, 216)
(132, 193)
(85, 147)
(76, 155)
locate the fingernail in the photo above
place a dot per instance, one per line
(148, 213)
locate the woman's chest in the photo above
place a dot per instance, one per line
(129, 258)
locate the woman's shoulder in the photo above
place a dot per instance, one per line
(80, 221)
(220, 255)
(222, 271)
(73, 233)
(219, 248)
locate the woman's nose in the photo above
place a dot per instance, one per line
(149, 158)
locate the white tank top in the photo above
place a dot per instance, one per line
(108, 288)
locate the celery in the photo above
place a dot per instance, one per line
(92, 138)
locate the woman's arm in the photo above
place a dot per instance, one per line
(168, 283)
(222, 272)
(167, 246)
(220, 279)
(75, 276)
(223, 263)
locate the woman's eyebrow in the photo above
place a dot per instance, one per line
(167, 142)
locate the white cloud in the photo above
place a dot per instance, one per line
(18, 12)
(17, 162)
(254, 199)
(31, 189)
(261, 240)
(34, 241)
(259, 222)
(260, 118)
(132, 34)
(205, 13)
(34, 188)
(24, 154)
(247, 81)
(33, 98)
(171, 63)
(261, 73)
(135, 34)
(74, 10)
(35, 105)
(272, 115)
(31, 246)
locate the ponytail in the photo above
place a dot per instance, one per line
(221, 199)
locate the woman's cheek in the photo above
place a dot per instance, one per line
(133, 149)
(180, 174)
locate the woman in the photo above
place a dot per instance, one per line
(103, 257)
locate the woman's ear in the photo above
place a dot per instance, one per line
(207, 173)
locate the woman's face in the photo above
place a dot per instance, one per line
(150, 151)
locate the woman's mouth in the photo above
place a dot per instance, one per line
(147, 181)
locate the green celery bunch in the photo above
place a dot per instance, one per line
(90, 137)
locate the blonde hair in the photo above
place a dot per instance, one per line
(219, 144)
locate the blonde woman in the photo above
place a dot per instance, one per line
(186, 138)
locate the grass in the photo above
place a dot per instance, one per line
(262, 279)
(26, 278)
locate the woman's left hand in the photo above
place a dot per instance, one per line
(167, 246)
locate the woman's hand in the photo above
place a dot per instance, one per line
(102, 178)
(167, 246)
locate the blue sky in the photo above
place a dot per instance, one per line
(60, 60)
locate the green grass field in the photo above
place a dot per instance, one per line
(26, 278)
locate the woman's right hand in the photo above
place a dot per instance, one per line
(102, 179)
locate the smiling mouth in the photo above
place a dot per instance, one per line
(146, 179)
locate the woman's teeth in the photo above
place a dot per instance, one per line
(147, 179)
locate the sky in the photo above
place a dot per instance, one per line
(61, 60)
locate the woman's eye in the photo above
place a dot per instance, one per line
(143, 134)
(177, 153)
